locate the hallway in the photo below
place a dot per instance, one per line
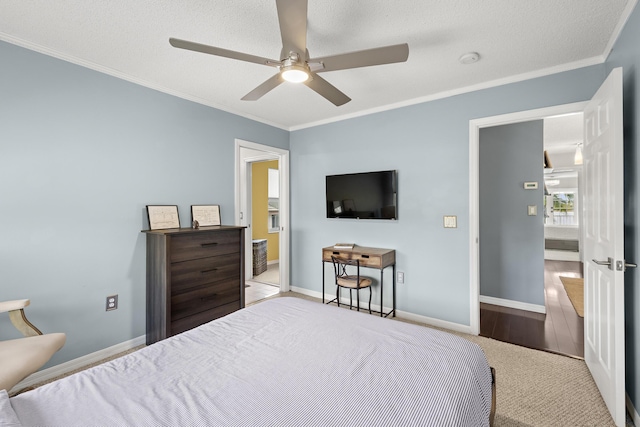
(561, 330)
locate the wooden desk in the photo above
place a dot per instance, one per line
(376, 258)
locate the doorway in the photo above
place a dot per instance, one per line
(265, 230)
(545, 271)
(474, 137)
(270, 165)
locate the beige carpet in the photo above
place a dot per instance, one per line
(535, 388)
(575, 290)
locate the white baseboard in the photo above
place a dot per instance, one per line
(513, 304)
(557, 255)
(80, 362)
(401, 314)
(275, 261)
(633, 412)
(434, 322)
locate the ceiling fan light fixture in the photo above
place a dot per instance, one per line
(295, 73)
(577, 158)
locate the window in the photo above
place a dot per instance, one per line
(562, 209)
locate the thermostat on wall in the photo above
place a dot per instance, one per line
(530, 185)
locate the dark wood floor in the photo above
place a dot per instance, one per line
(561, 330)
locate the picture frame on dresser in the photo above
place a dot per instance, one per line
(206, 215)
(163, 217)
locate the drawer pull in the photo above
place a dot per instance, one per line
(210, 297)
(365, 256)
(208, 271)
(208, 244)
(336, 253)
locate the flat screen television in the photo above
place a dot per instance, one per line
(367, 195)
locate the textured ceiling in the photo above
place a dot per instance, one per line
(516, 39)
(562, 133)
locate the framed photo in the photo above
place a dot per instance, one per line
(163, 216)
(205, 215)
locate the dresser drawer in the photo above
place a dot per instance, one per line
(204, 298)
(189, 274)
(202, 245)
(190, 322)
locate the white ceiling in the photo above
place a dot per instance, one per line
(562, 133)
(516, 39)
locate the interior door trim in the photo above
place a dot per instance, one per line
(283, 164)
(474, 189)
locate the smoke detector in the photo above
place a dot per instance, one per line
(469, 58)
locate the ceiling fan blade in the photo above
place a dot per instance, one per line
(292, 16)
(211, 50)
(363, 58)
(327, 90)
(265, 87)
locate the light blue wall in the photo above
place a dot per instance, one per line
(626, 54)
(511, 241)
(81, 154)
(429, 146)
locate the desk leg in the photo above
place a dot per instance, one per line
(381, 292)
(323, 282)
(394, 290)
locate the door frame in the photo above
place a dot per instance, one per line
(474, 189)
(262, 152)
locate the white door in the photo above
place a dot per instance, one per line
(604, 244)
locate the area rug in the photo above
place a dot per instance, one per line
(575, 290)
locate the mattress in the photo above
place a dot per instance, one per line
(283, 362)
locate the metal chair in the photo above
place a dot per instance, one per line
(345, 280)
(23, 356)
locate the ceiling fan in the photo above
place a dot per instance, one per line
(295, 64)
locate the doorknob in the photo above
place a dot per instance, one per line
(623, 265)
(608, 262)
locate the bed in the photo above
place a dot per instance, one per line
(283, 362)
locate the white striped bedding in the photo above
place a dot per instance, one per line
(283, 362)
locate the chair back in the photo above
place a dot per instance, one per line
(340, 268)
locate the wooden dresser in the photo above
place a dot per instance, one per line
(193, 277)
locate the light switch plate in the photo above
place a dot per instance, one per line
(532, 210)
(450, 221)
(530, 185)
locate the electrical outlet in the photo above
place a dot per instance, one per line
(112, 302)
(400, 277)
